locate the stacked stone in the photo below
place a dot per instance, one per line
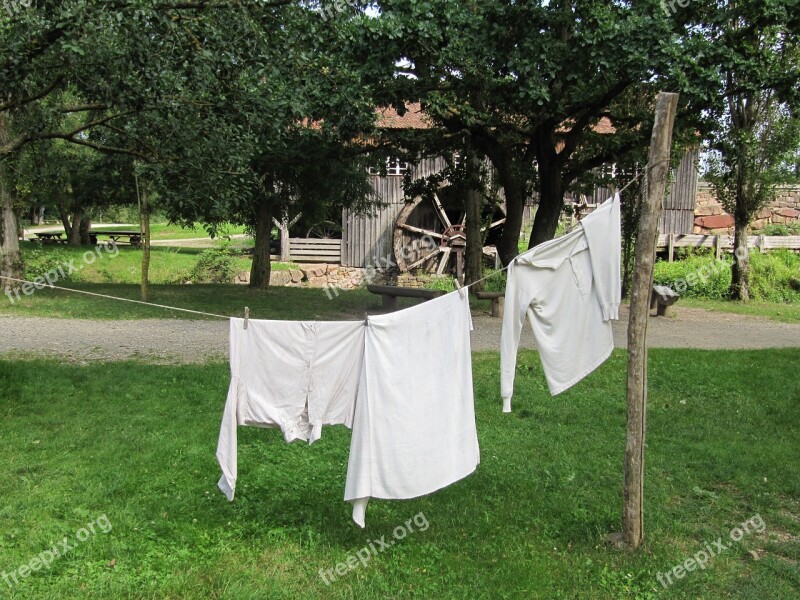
(711, 218)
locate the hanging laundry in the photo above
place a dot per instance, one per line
(414, 426)
(292, 375)
(570, 290)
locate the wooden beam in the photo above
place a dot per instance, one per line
(646, 240)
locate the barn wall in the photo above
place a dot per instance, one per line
(678, 213)
(368, 239)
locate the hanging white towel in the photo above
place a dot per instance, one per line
(293, 375)
(570, 289)
(414, 427)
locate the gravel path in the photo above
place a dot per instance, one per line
(180, 341)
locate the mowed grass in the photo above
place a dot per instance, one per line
(222, 299)
(784, 312)
(136, 443)
(161, 231)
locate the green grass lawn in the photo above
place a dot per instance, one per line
(134, 444)
(777, 311)
(222, 299)
(167, 231)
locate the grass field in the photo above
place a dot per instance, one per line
(132, 445)
(226, 300)
(777, 311)
(164, 231)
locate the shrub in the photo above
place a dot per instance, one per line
(771, 276)
(38, 261)
(696, 276)
(215, 265)
(779, 229)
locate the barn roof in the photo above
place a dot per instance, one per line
(415, 118)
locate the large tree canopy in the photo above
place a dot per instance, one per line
(530, 81)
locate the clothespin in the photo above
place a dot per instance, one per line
(459, 286)
(246, 316)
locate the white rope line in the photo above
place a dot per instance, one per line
(39, 286)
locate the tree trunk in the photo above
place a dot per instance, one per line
(740, 271)
(474, 249)
(260, 271)
(514, 191)
(10, 260)
(74, 233)
(144, 229)
(84, 229)
(551, 202)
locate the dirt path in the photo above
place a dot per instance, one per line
(179, 341)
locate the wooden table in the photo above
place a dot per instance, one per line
(50, 238)
(133, 237)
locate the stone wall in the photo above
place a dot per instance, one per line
(322, 276)
(711, 218)
(325, 276)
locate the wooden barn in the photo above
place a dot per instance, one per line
(370, 240)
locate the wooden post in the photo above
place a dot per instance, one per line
(144, 229)
(646, 241)
(717, 247)
(671, 246)
(283, 227)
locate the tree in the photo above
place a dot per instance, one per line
(529, 82)
(292, 135)
(756, 141)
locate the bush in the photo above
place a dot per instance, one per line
(215, 265)
(696, 276)
(771, 276)
(701, 276)
(778, 229)
(38, 261)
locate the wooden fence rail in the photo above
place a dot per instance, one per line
(314, 250)
(724, 243)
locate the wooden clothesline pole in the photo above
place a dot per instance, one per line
(646, 239)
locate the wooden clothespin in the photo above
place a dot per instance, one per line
(459, 286)
(246, 316)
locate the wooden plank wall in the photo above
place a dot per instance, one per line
(368, 239)
(678, 214)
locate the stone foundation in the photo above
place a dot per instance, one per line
(324, 276)
(711, 218)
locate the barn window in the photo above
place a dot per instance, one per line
(394, 166)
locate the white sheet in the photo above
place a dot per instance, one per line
(414, 426)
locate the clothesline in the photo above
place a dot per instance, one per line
(622, 189)
(216, 316)
(56, 287)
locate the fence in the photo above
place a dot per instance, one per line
(721, 243)
(313, 250)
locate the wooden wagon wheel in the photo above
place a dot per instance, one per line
(427, 237)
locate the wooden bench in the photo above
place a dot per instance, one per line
(498, 301)
(662, 298)
(390, 293)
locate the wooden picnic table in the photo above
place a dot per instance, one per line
(133, 237)
(51, 238)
